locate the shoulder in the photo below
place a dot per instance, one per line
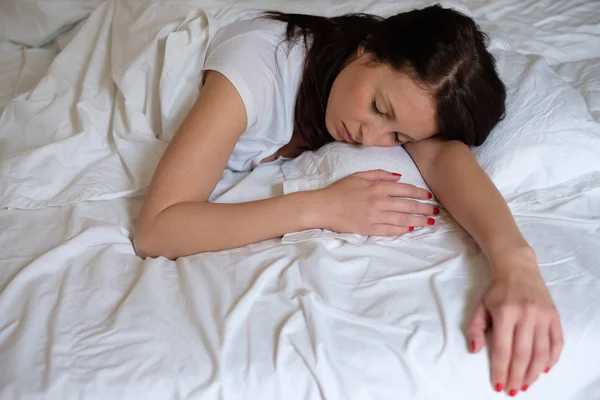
(258, 31)
(260, 40)
(254, 47)
(255, 57)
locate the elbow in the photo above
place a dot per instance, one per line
(146, 242)
(446, 155)
(141, 243)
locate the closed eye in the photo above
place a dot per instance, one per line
(376, 110)
(374, 107)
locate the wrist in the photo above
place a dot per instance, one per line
(509, 245)
(511, 259)
(311, 209)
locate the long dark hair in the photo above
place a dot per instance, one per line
(440, 48)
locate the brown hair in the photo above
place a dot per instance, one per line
(441, 48)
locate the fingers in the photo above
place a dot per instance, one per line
(556, 342)
(403, 219)
(410, 207)
(388, 230)
(391, 188)
(524, 345)
(503, 337)
(521, 352)
(379, 175)
(540, 356)
(405, 190)
(477, 328)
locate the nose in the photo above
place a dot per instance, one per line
(367, 140)
(370, 134)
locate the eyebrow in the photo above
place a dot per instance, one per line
(391, 108)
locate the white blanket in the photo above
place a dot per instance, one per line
(131, 74)
(21, 69)
(82, 317)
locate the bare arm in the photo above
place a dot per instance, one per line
(456, 179)
(527, 334)
(176, 219)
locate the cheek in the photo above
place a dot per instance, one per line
(339, 92)
(349, 97)
(350, 102)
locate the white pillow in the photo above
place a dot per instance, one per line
(329, 164)
(319, 169)
(547, 140)
(547, 147)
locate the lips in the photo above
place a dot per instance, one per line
(346, 135)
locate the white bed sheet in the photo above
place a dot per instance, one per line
(565, 32)
(35, 23)
(82, 317)
(21, 69)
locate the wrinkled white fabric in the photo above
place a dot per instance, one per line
(81, 317)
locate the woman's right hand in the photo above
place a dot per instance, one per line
(373, 203)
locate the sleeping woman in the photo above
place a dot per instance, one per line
(281, 84)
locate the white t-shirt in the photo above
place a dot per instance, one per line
(253, 57)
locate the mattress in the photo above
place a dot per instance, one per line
(81, 316)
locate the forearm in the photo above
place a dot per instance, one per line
(473, 200)
(194, 227)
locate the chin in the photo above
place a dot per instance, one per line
(329, 131)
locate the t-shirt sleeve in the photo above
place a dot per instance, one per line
(248, 61)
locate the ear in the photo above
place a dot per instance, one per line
(360, 51)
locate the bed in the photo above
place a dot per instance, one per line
(312, 315)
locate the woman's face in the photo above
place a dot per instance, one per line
(374, 105)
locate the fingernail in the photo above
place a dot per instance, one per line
(513, 392)
(412, 228)
(429, 195)
(436, 211)
(524, 388)
(395, 174)
(499, 387)
(472, 346)
(547, 370)
(430, 221)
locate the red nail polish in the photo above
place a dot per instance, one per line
(547, 370)
(395, 174)
(472, 346)
(436, 211)
(499, 387)
(431, 221)
(412, 228)
(429, 195)
(524, 388)
(513, 392)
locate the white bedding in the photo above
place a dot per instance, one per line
(23, 66)
(566, 33)
(82, 317)
(21, 69)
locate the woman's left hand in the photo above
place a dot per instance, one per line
(526, 333)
